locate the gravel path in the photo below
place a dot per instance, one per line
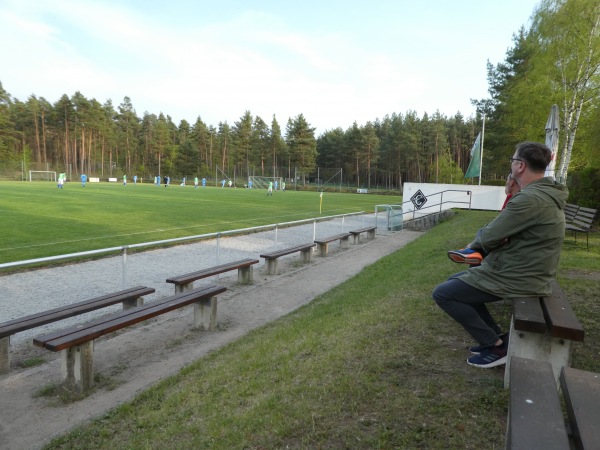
(145, 354)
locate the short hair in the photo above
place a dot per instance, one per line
(536, 155)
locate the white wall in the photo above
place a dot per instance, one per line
(451, 196)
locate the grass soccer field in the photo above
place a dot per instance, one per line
(40, 220)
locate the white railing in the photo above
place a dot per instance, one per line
(453, 202)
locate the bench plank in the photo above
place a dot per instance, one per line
(64, 312)
(72, 336)
(535, 418)
(581, 391)
(211, 271)
(528, 315)
(333, 238)
(287, 251)
(560, 316)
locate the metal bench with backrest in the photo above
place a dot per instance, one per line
(582, 223)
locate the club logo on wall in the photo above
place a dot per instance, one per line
(418, 199)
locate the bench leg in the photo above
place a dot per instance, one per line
(345, 242)
(355, 239)
(205, 314)
(133, 303)
(179, 288)
(306, 255)
(246, 275)
(5, 354)
(77, 367)
(323, 248)
(541, 347)
(272, 268)
(371, 234)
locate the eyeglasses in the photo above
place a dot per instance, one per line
(514, 159)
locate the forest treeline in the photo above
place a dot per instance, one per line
(554, 61)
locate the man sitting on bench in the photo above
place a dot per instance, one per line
(522, 244)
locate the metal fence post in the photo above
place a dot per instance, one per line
(218, 248)
(124, 259)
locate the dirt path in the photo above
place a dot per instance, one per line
(141, 356)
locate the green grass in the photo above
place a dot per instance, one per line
(373, 363)
(39, 220)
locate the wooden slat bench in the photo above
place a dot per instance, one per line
(356, 233)
(323, 243)
(272, 258)
(535, 415)
(582, 223)
(76, 343)
(543, 329)
(130, 298)
(244, 267)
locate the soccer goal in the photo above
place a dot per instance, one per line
(263, 182)
(389, 217)
(42, 175)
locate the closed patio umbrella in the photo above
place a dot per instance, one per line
(552, 127)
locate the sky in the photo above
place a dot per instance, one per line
(334, 61)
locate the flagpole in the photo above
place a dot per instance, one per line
(481, 149)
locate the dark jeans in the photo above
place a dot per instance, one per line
(466, 305)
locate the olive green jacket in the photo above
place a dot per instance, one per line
(523, 243)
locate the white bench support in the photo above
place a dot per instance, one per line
(77, 366)
(205, 314)
(246, 275)
(541, 347)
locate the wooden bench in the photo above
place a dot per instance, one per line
(543, 329)
(272, 258)
(130, 298)
(323, 243)
(244, 267)
(76, 343)
(582, 223)
(535, 415)
(356, 233)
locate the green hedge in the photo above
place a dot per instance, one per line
(584, 187)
